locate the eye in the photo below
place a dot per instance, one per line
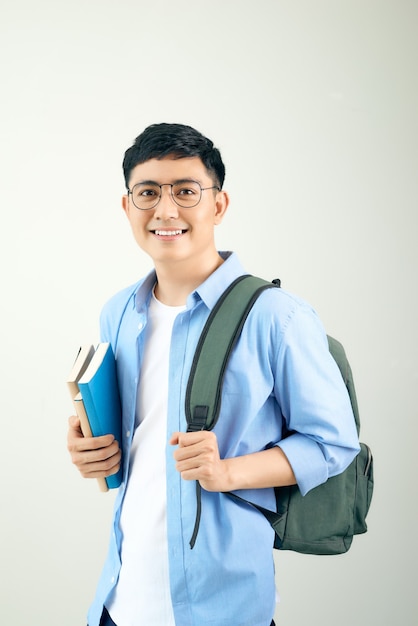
(147, 192)
(186, 190)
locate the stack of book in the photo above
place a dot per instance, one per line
(94, 391)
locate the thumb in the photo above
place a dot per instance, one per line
(174, 439)
(74, 424)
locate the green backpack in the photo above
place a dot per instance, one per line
(323, 521)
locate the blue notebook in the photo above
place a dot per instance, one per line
(100, 395)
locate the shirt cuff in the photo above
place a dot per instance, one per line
(307, 460)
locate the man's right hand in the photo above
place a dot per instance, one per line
(94, 457)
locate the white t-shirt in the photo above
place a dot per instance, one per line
(142, 595)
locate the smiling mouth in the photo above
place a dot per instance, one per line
(169, 233)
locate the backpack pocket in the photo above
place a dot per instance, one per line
(364, 488)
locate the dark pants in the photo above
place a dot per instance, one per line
(106, 620)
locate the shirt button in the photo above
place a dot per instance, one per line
(140, 325)
(112, 580)
(128, 432)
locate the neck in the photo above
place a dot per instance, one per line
(175, 281)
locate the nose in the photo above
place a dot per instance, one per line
(166, 208)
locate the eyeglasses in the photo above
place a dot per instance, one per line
(185, 194)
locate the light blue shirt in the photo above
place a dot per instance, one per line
(280, 371)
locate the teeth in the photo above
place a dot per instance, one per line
(168, 233)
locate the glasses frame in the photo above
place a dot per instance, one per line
(171, 185)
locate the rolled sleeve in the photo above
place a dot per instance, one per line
(315, 403)
(307, 461)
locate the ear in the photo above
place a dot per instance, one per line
(125, 204)
(221, 206)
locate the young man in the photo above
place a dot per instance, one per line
(280, 375)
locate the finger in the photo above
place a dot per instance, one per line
(189, 439)
(197, 445)
(77, 442)
(96, 462)
(101, 469)
(100, 454)
(184, 440)
(174, 439)
(87, 450)
(75, 426)
(98, 443)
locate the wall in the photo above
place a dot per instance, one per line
(313, 101)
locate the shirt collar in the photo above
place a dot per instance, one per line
(208, 292)
(144, 290)
(214, 286)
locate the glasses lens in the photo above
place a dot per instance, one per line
(187, 194)
(145, 196)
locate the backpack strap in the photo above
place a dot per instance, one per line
(216, 342)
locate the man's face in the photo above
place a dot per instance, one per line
(168, 232)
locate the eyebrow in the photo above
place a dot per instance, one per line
(175, 182)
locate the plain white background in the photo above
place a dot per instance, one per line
(314, 102)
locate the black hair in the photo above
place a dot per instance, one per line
(177, 140)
